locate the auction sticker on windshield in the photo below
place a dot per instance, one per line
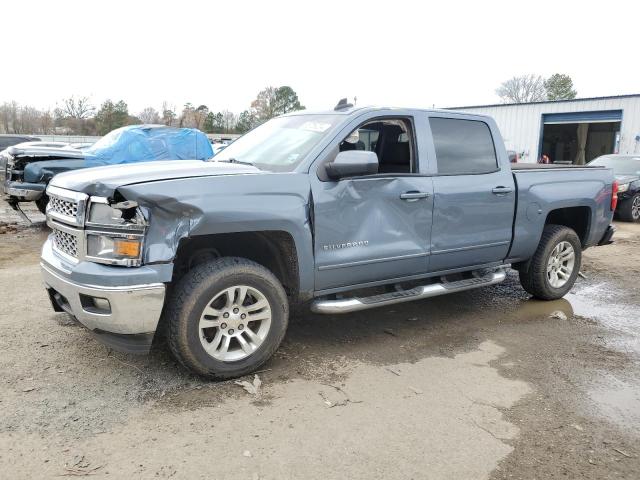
(315, 126)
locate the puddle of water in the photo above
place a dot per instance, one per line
(619, 401)
(615, 399)
(599, 302)
(604, 304)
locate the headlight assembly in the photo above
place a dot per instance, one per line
(114, 232)
(114, 248)
(623, 188)
(124, 215)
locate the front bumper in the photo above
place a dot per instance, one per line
(23, 192)
(124, 317)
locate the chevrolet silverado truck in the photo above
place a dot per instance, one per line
(342, 211)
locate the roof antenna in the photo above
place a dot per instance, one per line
(343, 105)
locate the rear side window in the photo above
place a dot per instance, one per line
(463, 146)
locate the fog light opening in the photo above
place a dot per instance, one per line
(95, 304)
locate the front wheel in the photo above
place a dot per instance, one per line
(555, 265)
(629, 209)
(226, 317)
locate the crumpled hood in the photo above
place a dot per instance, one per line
(105, 180)
(38, 172)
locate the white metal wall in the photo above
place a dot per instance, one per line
(520, 124)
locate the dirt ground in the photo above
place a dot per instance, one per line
(481, 384)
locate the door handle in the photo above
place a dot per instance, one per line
(413, 196)
(501, 190)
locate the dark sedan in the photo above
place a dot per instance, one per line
(626, 168)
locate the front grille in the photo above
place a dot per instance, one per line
(63, 207)
(65, 242)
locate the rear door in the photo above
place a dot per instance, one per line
(474, 194)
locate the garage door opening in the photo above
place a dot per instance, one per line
(577, 138)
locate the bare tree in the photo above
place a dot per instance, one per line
(149, 115)
(79, 108)
(28, 119)
(229, 120)
(9, 116)
(46, 123)
(523, 89)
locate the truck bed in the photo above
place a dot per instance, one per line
(543, 188)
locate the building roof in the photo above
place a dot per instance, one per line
(632, 95)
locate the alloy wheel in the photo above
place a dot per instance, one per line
(235, 323)
(560, 264)
(635, 208)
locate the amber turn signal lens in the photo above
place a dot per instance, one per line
(126, 248)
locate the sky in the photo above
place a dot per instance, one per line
(221, 54)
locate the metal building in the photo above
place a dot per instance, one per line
(568, 131)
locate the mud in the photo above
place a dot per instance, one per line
(481, 384)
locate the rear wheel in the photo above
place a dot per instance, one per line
(629, 209)
(555, 265)
(226, 317)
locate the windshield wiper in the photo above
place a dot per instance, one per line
(235, 160)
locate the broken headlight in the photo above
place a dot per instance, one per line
(115, 232)
(119, 215)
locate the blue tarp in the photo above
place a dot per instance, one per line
(144, 143)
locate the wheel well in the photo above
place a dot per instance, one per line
(274, 250)
(576, 218)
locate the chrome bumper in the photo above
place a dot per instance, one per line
(133, 309)
(22, 194)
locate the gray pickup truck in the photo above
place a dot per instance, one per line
(342, 210)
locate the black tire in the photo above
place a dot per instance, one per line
(192, 294)
(534, 279)
(626, 210)
(42, 202)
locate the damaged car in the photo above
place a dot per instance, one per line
(26, 169)
(341, 211)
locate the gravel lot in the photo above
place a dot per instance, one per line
(480, 384)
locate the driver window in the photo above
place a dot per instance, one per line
(389, 139)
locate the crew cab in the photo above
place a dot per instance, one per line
(342, 211)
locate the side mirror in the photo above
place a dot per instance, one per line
(353, 163)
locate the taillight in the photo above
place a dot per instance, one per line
(614, 195)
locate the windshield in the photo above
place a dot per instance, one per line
(620, 165)
(280, 144)
(107, 141)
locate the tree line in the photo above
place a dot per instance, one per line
(535, 88)
(78, 116)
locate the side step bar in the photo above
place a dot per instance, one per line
(347, 305)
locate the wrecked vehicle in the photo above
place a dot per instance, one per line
(26, 169)
(343, 210)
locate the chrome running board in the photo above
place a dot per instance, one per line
(347, 305)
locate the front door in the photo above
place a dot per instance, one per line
(374, 227)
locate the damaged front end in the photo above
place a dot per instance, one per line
(84, 266)
(96, 229)
(25, 172)
(12, 183)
